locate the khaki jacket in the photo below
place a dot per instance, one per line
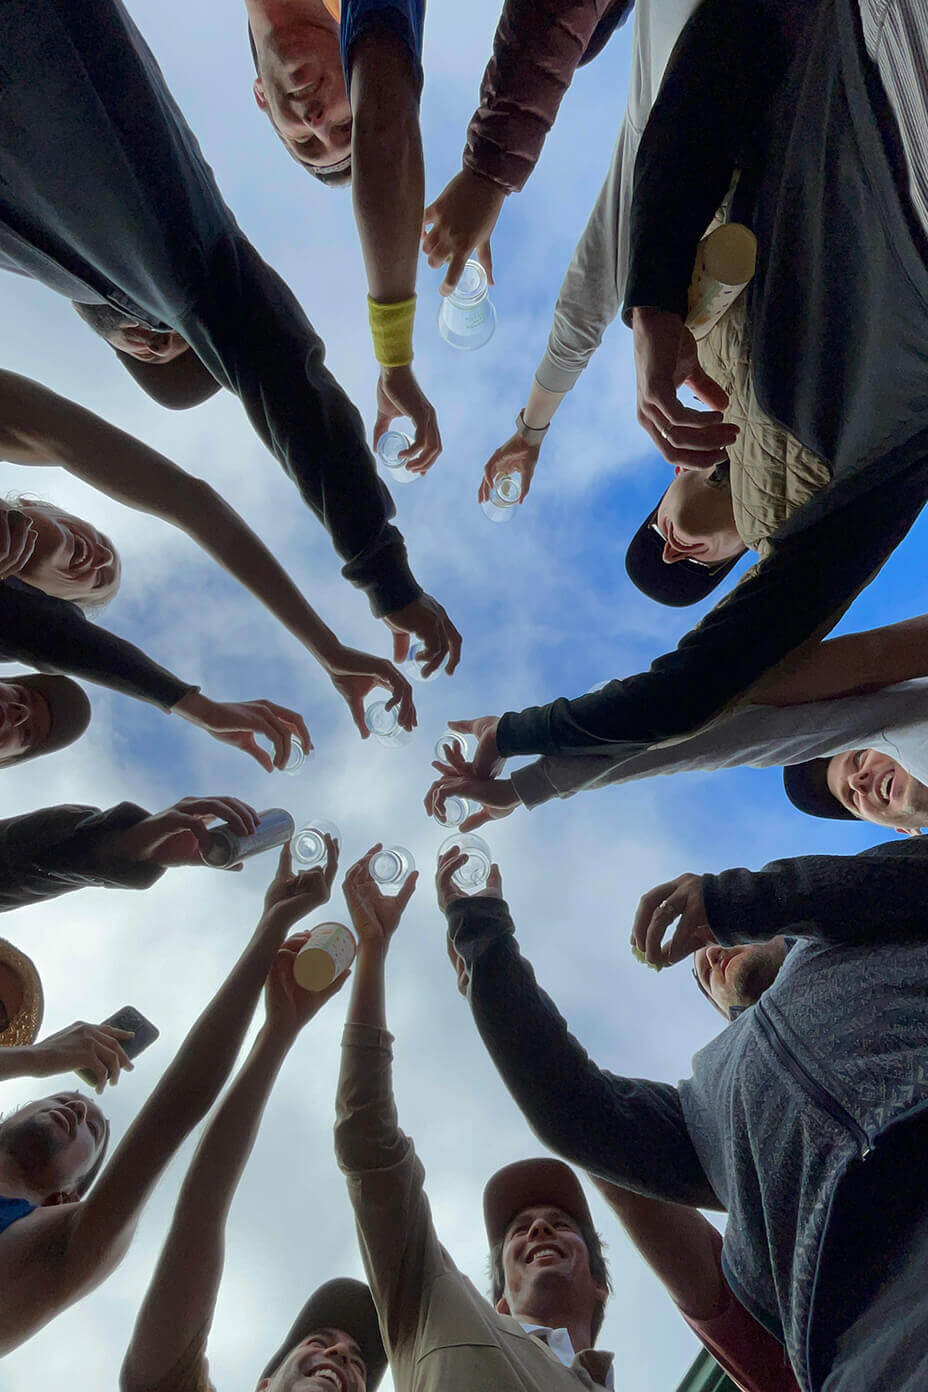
(440, 1334)
(771, 473)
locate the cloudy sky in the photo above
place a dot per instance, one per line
(545, 610)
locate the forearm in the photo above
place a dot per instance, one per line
(679, 1245)
(388, 174)
(541, 406)
(878, 896)
(852, 664)
(182, 1294)
(19, 1063)
(368, 994)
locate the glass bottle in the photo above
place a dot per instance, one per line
(475, 871)
(466, 318)
(389, 448)
(384, 724)
(307, 846)
(391, 867)
(227, 848)
(504, 495)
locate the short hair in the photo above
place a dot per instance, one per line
(91, 603)
(595, 1255)
(332, 178)
(82, 1185)
(103, 318)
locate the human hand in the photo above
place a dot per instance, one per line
(354, 674)
(375, 916)
(399, 394)
(290, 896)
(457, 778)
(237, 723)
(460, 220)
(680, 898)
(666, 359)
(96, 1048)
(17, 541)
(447, 892)
(287, 1005)
(426, 619)
(516, 456)
(487, 761)
(179, 836)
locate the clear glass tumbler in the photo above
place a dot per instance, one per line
(475, 871)
(308, 844)
(389, 447)
(504, 495)
(391, 867)
(385, 725)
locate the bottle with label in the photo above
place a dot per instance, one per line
(467, 319)
(308, 844)
(390, 868)
(504, 496)
(725, 262)
(227, 848)
(328, 951)
(475, 871)
(389, 448)
(385, 725)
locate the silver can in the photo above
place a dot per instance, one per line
(275, 826)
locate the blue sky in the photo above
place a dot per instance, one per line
(545, 610)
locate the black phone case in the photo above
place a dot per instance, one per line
(128, 1018)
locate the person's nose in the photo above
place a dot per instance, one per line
(860, 779)
(670, 555)
(540, 1228)
(339, 1351)
(715, 954)
(79, 1107)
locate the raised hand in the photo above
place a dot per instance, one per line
(291, 897)
(461, 220)
(447, 892)
(237, 723)
(516, 456)
(354, 674)
(681, 899)
(179, 835)
(487, 761)
(666, 359)
(287, 1006)
(424, 618)
(457, 778)
(399, 394)
(375, 916)
(96, 1048)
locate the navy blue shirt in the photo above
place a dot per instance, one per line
(12, 1209)
(405, 17)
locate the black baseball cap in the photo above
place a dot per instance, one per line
(807, 788)
(677, 585)
(339, 1304)
(178, 384)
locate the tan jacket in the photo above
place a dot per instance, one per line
(441, 1335)
(771, 473)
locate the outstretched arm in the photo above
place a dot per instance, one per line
(853, 664)
(38, 427)
(180, 1300)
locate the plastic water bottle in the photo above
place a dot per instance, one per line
(458, 742)
(467, 318)
(475, 871)
(412, 666)
(504, 496)
(385, 725)
(391, 867)
(308, 844)
(389, 447)
(227, 848)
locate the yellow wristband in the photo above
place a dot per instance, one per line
(391, 330)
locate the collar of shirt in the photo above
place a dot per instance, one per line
(597, 1362)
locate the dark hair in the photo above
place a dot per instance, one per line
(83, 1184)
(102, 318)
(598, 1270)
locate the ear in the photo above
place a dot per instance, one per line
(910, 831)
(260, 98)
(601, 1293)
(502, 1306)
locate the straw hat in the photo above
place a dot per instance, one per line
(23, 1027)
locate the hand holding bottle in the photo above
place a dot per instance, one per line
(458, 779)
(516, 456)
(288, 1006)
(237, 723)
(375, 916)
(399, 394)
(354, 675)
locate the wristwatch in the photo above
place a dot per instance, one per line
(533, 435)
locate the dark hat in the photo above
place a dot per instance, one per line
(529, 1182)
(339, 1304)
(807, 788)
(616, 14)
(679, 584)
(178, 384)
(22, 1028)
(68, 706)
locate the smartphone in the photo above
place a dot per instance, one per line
(144, 1033)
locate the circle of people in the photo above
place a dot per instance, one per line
(762, 230)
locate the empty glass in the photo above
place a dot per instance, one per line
(296, 757)
(457, 810)
(504, 495)
(389, 447)
(308, 844)
(384, 724)
(457, 741)
(391, 867)
(475, 871)
(467, 318)
(412, 666)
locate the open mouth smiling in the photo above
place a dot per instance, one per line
(546, 1250)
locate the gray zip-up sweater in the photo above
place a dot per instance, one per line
(782, 1110)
